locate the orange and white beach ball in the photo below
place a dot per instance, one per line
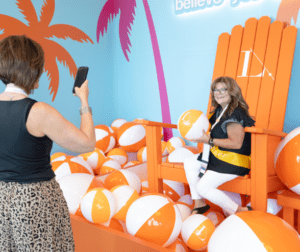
(145, 186)
(173, 189)
(116, 124)
(66, 165)
(196, 231)
(123, 177)
(251, 231)
(154, 218)
(215, 217)
(98, 205)
(56, 155)
(178, 246)
(75, 186)
(181, 153)
(118, 155)
(131, 163)
(287, 160)
(131, 136)
(125, 196)
(114, 224)
(174, 143)
(191, 124)
(164, 151)
(95, 159)
(109, 166)
(187, 199)
(142, 155)
(184, 209)
(105, 138)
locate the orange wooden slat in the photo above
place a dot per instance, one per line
(246, 55)
(257, 63)
(268, 80)
(234, 51)
(220, 60)
(282, 79)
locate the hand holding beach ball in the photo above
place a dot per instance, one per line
(192, 123)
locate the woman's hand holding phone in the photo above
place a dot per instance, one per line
(83, 91)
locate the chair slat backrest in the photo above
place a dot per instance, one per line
(260, 57)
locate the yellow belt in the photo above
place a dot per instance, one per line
(231, 157)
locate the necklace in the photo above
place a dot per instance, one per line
(14, 89)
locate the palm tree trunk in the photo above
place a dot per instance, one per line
(165, 110)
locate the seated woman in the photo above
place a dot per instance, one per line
(230, 148)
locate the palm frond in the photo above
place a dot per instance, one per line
(47, 12)
(55, 51)
(66, 31)
(27, 9)
(12, 26)
(126, 20)
(109, 11)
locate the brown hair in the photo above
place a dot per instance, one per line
(21, 61)
(235, 92)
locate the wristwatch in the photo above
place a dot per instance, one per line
(211, 142)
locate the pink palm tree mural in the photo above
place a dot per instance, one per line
(127, 8)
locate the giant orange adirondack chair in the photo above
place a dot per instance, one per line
(259, 57)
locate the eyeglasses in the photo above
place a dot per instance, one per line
(220, 91)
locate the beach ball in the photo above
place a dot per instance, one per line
(116, 124)
(287, 160)
(66, 165)
(145, 186)
(196, 231)
(131, 136)
(114, 224)
(123, 177)
(184, 209)
(215, 217)
(95, 159)
(254, 231)
(174, 143)
(125, 196)
(105, 139)
(154, 218)
(142, 155)
(173, 189)
(192, 123)
(75, 186)
(178, 246)
(56, 155)
(187, 199)
(272, 206)
(109, 166)
(98, 205)
(164, 151)
(131, 163)
(118, 155)
(181, 153)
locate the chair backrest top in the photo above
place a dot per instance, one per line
(259, 57)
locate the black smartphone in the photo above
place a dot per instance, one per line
(80, 77)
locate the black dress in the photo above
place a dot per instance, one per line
(230, 161)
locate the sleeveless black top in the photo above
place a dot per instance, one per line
(24, 158)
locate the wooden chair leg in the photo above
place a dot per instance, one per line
(288, 215)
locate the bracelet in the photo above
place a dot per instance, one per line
(85, 110)
(211, 142)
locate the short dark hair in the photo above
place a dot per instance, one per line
(21, 61)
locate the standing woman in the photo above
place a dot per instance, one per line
(230, 148)
(33, 212)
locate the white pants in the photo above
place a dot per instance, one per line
(207, 186)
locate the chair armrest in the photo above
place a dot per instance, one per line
(265, 131)
(158, 124)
